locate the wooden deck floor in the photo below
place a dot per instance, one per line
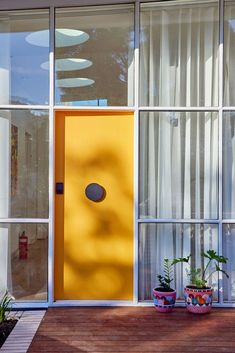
(134, 329)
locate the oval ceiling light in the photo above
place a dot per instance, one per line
(64, 37)
(74, 82)
(68, 64)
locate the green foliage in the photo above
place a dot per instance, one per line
(181, 259)
(167, 277)
(5, 306)
(199, 277)
(195, 276)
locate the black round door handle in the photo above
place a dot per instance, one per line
(95, 192)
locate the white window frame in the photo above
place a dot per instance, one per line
(52, 4)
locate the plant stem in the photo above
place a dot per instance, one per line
(204, 272)
(211, 274)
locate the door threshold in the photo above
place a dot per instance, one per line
(93, 303)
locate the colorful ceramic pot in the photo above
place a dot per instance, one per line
(198, 301)
(164, 301)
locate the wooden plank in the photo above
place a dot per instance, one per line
(20, 338)
(134, 330)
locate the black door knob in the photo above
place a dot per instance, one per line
(95, 192)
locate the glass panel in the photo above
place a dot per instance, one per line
(23, 260)
(24, 163)
(229, 53)
(24, 39)
(94, 56)
(179, 53)
(157, 241)
(179, 165)
(228, 251)
(228, 165)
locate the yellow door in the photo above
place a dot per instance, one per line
(94, 211)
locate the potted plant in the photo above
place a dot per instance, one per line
(6, 323)
(164, 296)
(198, 294)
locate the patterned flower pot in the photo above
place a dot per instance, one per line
(164, 301)
(197, 300)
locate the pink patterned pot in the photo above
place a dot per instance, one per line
(164, 301)
(197, 300)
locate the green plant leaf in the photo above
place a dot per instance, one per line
(220, 270)
(200, 276)
(181, 259)
(5, 306)
(166, 279)
(212, 255)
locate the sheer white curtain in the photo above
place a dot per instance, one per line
(229, 117)
(186, 238)
(178, 150)
(229, 165)
(178, 180)
(229, 149)
(179, 165)
(229, 201)
(228, 249)
(179, 54)
(229, 53)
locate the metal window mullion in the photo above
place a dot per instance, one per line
(24, 220)
(228, 108)
(228, 221)
(173, 220)
(51, 160)
(24, 4)
(220, 180)
(180, 109)
(23, 107)
(95, 108)
(136, 151)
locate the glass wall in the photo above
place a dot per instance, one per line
(228, 247)
(186, 127)
(24, 38)
(186, 158)
(229, 53)
(178, 53)
(24, 163)
(166, 240)
(229, 165)
(179, 165)
(24, 154)
(94, 56)
(23, 260)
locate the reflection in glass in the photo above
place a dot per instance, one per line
(23, 260)
(228, 251)
(179, 165)
(179, 53)
(22, 80)
(68, 64)
(64, 37)
(157, 241)
(109, 50)
(229, 53)
(228, 165)
(24, 163)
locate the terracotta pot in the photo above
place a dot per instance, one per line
(164, 301)
(198, 300)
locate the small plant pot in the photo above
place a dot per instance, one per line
(164, 302)
(198, 300)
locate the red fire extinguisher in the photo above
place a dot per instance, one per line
(23, 246)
